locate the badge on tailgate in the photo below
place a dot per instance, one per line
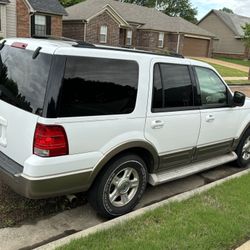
(3, 128)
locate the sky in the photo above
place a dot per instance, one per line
(240, 7)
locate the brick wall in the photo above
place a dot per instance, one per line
(56, 26)
(74, 30)
(148, 40)
(23, 19)
(93, 30)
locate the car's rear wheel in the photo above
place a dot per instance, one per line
(118, 188)
(243, 150)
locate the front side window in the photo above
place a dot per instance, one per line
(103, 34)
(172, 87)
(161, 40)
(129, 37)
(98, 86)
(213, 90)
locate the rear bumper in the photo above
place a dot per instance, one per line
(42, 187)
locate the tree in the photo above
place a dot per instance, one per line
(225, 9)
(67, 3)
(246, 39)
(181, 8)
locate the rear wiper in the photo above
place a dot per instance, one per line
(2, 44)
(36, 53)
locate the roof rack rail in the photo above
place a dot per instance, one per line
(124, 49)
(82, 44)
(78, 43)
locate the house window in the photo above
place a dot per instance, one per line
(103, 34)
(40, 25)
(161, 40)
(129, 37)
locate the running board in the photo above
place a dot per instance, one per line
(181, 172)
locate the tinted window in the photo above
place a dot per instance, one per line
(95, 86)
(213, 90)
(23, 80)
(172, 87)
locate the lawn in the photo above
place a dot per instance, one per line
(218, 219)
(228, 72)
(236, 61)
(238, 82)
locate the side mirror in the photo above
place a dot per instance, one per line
(239, 99)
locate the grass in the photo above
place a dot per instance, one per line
(218, 219)
(238, 82)
(236, 61)
(228, 72)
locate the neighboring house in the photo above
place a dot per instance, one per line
(25, 18)
(128, 25)
(228, 30)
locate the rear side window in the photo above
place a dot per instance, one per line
(98, 86)
(172, 87)
(23, 80)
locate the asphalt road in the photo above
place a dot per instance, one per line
(39, 232)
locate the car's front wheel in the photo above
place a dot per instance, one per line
(118, 189)
(243, 150)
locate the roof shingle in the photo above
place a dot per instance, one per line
(48, 6)
(149, 18)
(233, 21)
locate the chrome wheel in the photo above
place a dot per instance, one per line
(124, 186)
(246, 149)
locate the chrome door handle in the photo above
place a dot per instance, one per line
(210, 118)
(157, 124)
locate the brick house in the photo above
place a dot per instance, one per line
(25, 18)
(228, 30)
(115, 23)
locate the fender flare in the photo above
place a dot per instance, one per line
(124, 147)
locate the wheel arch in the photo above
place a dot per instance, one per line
(143, 149)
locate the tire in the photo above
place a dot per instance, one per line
(243, 150)
(118, 188)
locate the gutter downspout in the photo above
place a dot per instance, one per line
(84, 30)
(178, 43)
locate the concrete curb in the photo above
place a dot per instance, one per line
(134, 214)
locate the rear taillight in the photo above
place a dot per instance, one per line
(50, 140)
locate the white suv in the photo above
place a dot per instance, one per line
(76, 117)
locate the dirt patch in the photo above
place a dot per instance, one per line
(15, 209)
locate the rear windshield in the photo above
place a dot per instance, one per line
(23, 80)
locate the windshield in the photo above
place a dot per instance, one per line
(23, 80)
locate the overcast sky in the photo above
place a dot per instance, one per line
(240, 7)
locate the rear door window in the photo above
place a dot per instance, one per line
(98, 86)
(23, 80)
(172, 88)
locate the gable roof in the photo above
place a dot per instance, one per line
(233, 21)
(148, 18)
(47, 6)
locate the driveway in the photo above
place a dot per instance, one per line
(243, 89)
(222, 63)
